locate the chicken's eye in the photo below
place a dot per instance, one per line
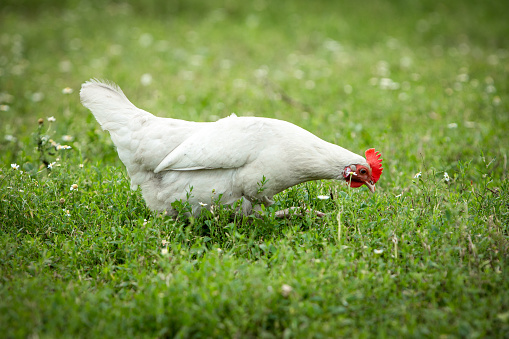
(362, 171)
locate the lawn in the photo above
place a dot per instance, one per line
(425, 82)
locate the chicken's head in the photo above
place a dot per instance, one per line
(357, 175)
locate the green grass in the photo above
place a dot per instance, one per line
(423, 257)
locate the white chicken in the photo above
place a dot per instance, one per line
(233, 158)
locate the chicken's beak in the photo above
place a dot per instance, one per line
(371, 185)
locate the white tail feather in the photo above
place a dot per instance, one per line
(109, 104)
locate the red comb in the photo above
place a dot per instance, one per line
(375, 162)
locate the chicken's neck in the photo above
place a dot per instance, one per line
(324, 161)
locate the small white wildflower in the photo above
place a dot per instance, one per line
(146, 79)
(261, 73)
(146, 39)
(164, 251)
(323, 197)
(309, 84)
(298, 74)
(74, 187)
(349, 171)
(187, 75)
(490, 89)
(14, 166)
(50, 165)
(332, 45)
(80, 165)
(52, 119)
(446, 177)
(67, 138)
(405, 62)
(452, 125)
(37, 96)
(202, 204)
(9, 137)
(386, 83)
(463, 77)
(67, 90)
(286, 290)
(403, 96)
(415, 76)
(376, 251)
(239, 83)
(399, 195)
(67, 213)
(61, 147)
(219, 251)
(65, 66)
(417, 175)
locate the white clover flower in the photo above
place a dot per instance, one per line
(261, 73)
(146, 79)
(309, 84)
(37, 96)
(376, 251)
(323, 197)
(463, 77)
(67, 90)
(286, 290)
(386, 83)
(446, 177)
(490, 89)
(14, 166)
(417, 175)
(52, 119)
(74, 187)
